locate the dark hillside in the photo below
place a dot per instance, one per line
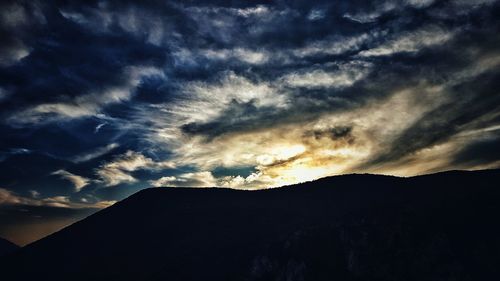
(355, 227)
(7, 247)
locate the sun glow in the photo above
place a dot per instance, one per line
(297, 163)
(301, 173)
(280, 154)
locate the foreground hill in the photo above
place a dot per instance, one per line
(355, 227)
(7, 247)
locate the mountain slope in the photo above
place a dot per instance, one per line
(355, 227)
(7, 247)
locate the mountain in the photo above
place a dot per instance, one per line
(355, 227)
(7, 247)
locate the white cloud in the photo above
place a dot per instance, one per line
(240, 54)
(14, 151)
(201, 101)
(14, 54)
(119, 170)
(259, 10)
(345, 76)
(3, 94)
(34, 194)
(289, 153)
(197, 179)
(375, 124)
(228, 24)
(363, 17)
(479, 66)
(373, 15)
(17, 18)
(419, 3)
(460, 8)
(204, 101)
(103, 204)
(316, 14)
(385, 7)
(473, 3)
(13, 16)
(77, 181)
(96, 153)
(189, 57)
(273, 153)
(335, 46)
(85, 105)
(142, 23)
(411, 42)
(79, 18)
(8, 197)
(98, 127)
(16, 15)
(184, 56)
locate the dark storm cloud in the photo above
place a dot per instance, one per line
(102, 98)
(69, 64)
(18, 21)
(245, 117)
(474, 102)
(481, 152)
(334, 133)
(445, 121)
(409, 59)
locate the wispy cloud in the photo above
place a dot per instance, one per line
(198, 179)
(78, 182)
(86, 105)
(8, 197)
(119, 170)
(411, 42)
(346, 75)
(384, 7)
(100, 151)
(272, 90)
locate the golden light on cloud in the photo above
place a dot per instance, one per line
(332, 143)
(280, 153)
(344, 136)
(281, 156)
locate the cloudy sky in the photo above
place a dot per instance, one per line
(100, 99)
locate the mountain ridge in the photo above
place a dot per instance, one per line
(7, 247)
(307, 231)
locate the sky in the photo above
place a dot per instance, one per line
(100, 99)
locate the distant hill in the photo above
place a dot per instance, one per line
(7, 247)
(355, 227)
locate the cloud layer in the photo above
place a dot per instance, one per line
(103, 98)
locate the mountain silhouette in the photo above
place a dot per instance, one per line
(7, 247)
(355, 227)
